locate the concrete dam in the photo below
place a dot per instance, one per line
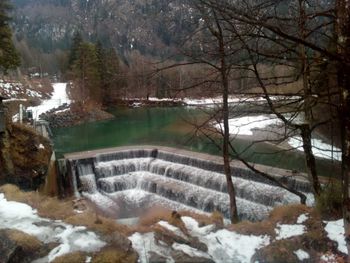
(126, 181)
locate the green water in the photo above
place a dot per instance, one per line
(166, 127)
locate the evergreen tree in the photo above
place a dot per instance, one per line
(77, 41)
(85, 72)
(108, 67)
(9, 58)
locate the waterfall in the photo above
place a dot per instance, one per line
(176, 180)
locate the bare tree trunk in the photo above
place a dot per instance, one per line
(305, 129)
(226, 138)
(343, 33)
(310, 159)
(226, 154)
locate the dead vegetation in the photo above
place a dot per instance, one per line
(50, 207)
(74, 257)
(112, 255)
(30, 154)
(315, 241)
(103, 225)
(27, 242)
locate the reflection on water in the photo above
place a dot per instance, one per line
(169, 127)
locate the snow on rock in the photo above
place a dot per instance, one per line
(335, 231)
(301, 254)
(329, 258)
(192, 252)
(172, 228)
(319, 148)
(245, 125)
(284, 231)
(15, 215)
(193, 227)
(302, 218)
(59, 97)
(144, 243)
(224, 244)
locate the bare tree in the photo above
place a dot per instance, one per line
(320, 26)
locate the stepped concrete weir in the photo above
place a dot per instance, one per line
(126, 181)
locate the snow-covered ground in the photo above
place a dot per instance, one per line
(247, 124)
(228, 246)
(319, 148)
(15, 215)
(15, 89)
(233, 99)
(335, 231)
(223, 245)
(59, 97)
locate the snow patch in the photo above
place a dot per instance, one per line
(173, 229)
(335, 231)
(301, 254)
(59, 97)
(224, 244)
(245, 125)
(284, 231)
(192, 252)
(144, 243)
(302, 218)
(319, 148)
(15, 215)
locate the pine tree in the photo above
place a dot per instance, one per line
(73, 55)
(85, 72)
(9, 58)
(108, 67)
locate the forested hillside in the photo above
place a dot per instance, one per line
(153, 27)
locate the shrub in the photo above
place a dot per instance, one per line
(329, 203)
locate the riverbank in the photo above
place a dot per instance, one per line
(299, 231)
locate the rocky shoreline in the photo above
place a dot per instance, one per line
(65, 116)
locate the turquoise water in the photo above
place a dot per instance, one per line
(166, 127)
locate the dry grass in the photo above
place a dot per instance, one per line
(103, 225)
(112, 255)
(203, 220)
(154, 215)
(251, 228)
(75, 257)
(50, 207)
(27, 242)
(217, 218)
(288, 214)
(27, 158)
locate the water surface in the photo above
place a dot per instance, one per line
(168, 127)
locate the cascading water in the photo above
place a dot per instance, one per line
(127, 182)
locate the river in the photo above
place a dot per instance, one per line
(168, 127)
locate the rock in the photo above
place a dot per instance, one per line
(153, 257)
(168, 237)
(195, 243)
(181, 257)
(119, 241)
(17, 246)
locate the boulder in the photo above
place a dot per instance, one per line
(119, 241)
(181, 257)
(153, 257)
(17, 246)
